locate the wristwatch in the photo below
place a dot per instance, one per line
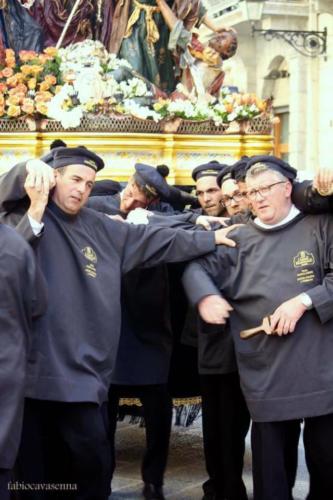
(306, 300)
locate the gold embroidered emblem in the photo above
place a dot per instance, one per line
(303, 258)
(89, 254)
(90, 163)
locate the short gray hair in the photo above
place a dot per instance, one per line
(260, 168)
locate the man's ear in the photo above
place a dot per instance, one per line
(288, 188)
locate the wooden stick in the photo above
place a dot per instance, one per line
(68, 22)
(252, 332)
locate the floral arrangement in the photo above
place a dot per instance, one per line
(28, 83)
(96, 82)
(83, 78)
(227, 108)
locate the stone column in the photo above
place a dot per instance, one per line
(298, 110)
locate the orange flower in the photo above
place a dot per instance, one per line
(229, 107)
(246, 99)
(11, 63)
(261, 105)
(13, 111)
(27, 55)
(22, 88)
(7, 72)
(32, 83)
(36, 69)
(19, 95)
(51, 79)
(42, 58)
(44, 86)
(3, 87)
(43, 96)
(26, 69)
(2, 100)
(13, 100)
(51, 51)
(9, 54)
(2, 110)
(41, 108)
(28, 106)
(12, 81)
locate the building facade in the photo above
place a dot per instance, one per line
(300, 85)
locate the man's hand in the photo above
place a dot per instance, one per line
(221, 236)
(139, 216)
(205, 220)
(41, 175)
(116, 217)
(285, 317)
(214, 309)
(323, 181)
(38, 198)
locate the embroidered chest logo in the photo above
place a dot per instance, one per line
(304, 260)
(91, 256)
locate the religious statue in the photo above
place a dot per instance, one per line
(52, 15)
(17, 28)
(141, 35)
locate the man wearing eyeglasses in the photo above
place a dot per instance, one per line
(281, 270)
(225, 418)
(234, 200)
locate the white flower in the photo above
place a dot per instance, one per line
(220, 108)
(55, 109)
(113, 62)
(232, 117)
(72, 118)
(111, 87)
(132, 108)
(88, 85)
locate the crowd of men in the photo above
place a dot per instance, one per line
(86, 319)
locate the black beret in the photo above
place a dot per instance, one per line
(224, 175)
(212, 168)
(238, 169)
(150, 179)
(273, 163)
(63, 157)
(105, 187)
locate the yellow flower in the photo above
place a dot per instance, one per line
(51, 51)
(28, 106)
(44, 86)
(26, 69)
(41, 108)
(2, 110)
(32, 83)
(13, 111)
(13, 100)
